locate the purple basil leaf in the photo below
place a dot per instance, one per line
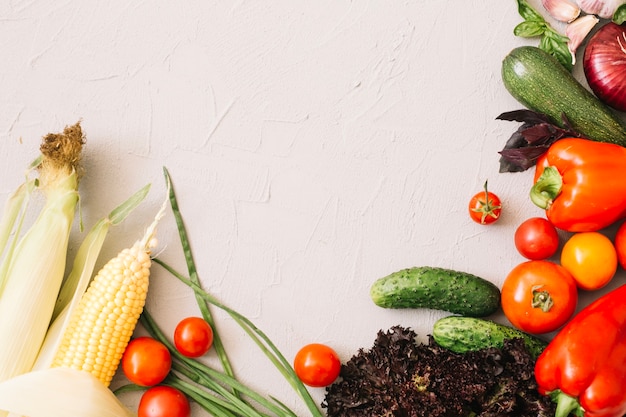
(520, 159)
(539, 134)
(525, 116)
(531, 139)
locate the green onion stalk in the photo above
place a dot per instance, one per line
(220, 392)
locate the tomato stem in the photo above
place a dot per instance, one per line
(547, 187)
(541, 299)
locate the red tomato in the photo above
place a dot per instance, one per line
(146, 361)
(317, 365)
(539, 296)
(620, 245)
(193, 337)
(591, 258)
(485, 207)
(163, 401)
(536, 238)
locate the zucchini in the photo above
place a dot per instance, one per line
(538, 81)
(463, 334)
(437, 288)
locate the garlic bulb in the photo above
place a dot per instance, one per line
(602, 8)
(562, 10)
(577, 31)
(578, 27)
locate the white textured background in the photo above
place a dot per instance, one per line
(315, 146)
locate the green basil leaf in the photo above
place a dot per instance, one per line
(558, 50)
(529, 29)
(527, 12)
(556, 36)
(545, 44)
(619, 16)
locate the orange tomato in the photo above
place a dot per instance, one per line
(539, 296)
(591, 258)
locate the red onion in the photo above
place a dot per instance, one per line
(604, 64)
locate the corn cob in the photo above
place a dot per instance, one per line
(103, 322)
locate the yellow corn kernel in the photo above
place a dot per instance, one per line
(105, 318)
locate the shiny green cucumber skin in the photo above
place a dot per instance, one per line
(539, 82)
(464, 334)
(437, 288)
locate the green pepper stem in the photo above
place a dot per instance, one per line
(566, 404)
(547, 187)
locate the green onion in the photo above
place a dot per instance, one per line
(210, 379)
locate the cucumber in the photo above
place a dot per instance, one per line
(538, 81)
(437, 288)
(463, 334)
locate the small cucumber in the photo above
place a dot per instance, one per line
(463, 334)
(538, 81)
(437, 288)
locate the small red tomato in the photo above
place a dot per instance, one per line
(317, 365)
(146, 361)
(620, 245)
(193, 337)
(163, 401)
(485, 207)
(536, 238)
(539, 296)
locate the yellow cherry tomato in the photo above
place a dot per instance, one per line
(591, 258)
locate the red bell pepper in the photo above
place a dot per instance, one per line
(584, 367)
(580, 183)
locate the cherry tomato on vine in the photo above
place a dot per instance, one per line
(620, 245)
(163, 401)
(536, 238)
(193, 337)
(539, 296)
(485, 207)
(591, 258)
(146, 361)
(317, 365)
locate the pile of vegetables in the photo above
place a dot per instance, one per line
(74, 331)
(38, 303)
(575, 138)
(557, 104)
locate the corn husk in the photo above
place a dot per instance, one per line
(33, 267)
(60, 392)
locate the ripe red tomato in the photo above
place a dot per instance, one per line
(539, 296)
(591, 258)
(193, 337)
(146, 361)
(620, 245)
(485, 207)
(163, 401)
(317, 365)
(536, 238)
